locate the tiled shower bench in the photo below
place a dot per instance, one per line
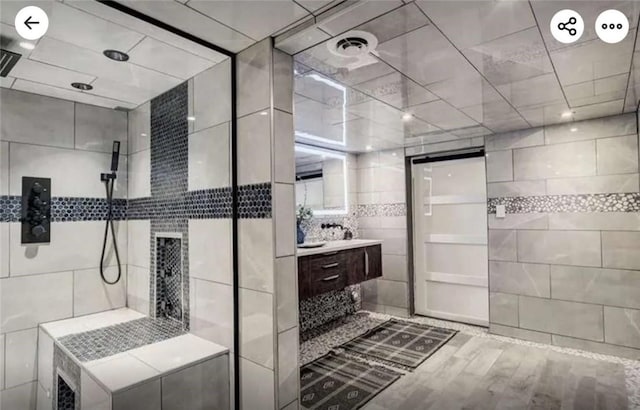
(121, 360)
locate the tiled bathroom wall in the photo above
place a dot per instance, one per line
(564, 265)
(269, 374)
(382, 213)
(70, 143)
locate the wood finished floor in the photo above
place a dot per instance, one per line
(472, 372)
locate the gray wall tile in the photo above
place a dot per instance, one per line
(254, 79)
(515, 139)
(555, 161)
(519, 278)
(502, 245)
(517, 188)
(621, 250)
(596, 285)
(591, 129)
(519, 221)
(517, 333)
(593, 185)
(565, 318)
(602, 348)
(618, 155)
(559, 247)
(499, 166)
(622, 326)
(503, 309)
(596, 221)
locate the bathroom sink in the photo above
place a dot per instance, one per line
(308, 245)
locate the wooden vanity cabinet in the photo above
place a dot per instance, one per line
(324, 272)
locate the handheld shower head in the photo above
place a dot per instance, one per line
(115, 156)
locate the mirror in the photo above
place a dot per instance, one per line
(321, 180)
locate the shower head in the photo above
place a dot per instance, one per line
(115, 156)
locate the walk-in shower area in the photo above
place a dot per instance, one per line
(115, 172)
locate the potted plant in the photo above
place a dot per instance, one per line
(303, 214)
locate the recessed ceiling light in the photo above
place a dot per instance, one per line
(574, 129)
(406, 116)
(27, 46)
(567, 114)
(116, 55)
(264, 113)
(143, 135)
(191, 118)
(368, 147)
(82, 86)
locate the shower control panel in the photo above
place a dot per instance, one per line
(36, 210)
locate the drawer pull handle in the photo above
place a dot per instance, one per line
(331, 265)
(366, 264)
(330, 253)
(328, 278)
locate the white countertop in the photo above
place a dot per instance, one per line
(333, 246)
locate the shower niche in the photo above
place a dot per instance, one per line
(169, 276)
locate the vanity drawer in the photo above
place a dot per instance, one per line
(323, 265)
(333, 278)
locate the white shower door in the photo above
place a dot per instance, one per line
(450, 240)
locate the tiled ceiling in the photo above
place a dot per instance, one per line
(445, 70)
(71, 51)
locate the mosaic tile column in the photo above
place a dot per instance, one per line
(269, 373)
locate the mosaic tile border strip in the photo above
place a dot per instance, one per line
(110, 340)
(66, 209)
(619, 202)
(369, 210)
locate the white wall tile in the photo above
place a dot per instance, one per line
(254, 149)
(21, 397)
(96, 128)
(618, 155)
(138, 243)
(139, 174)
(212, 311)
(147, 396)
(591, 129)
(515, 139)
(620, 250)
(394, 267)
(285, 219)
(210, 253)
(4, 168)
(257, 386)
(256, 327)
(288, 374)
(45, 360)
(286, 292)
(74, 245)
(93, 395)
(256, 254)
(35, 119)
(21, 361)
(92, 295)
(44, 401)
(575, 159)
(212, 96)
(203, 386)
(253, 78)
(559, 247)
(138, 289)
(517, 188)
(4, 249)
(2, 362)
(593, 185)
(596, 221)
(284, 162)
(139, 130)
(73, 173)
(499, 166)
(209, 158)
(282, 81)
(27, 301)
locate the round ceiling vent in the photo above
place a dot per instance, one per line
(355, 43)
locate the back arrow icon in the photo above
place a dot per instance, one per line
(28, 21)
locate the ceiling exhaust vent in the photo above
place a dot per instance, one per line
(354, 44)
(8, 60)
